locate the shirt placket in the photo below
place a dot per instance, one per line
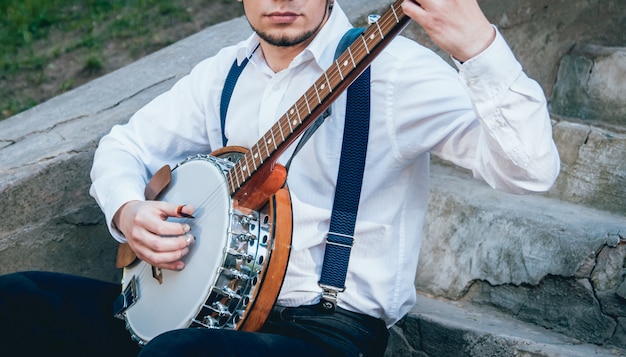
(273, 96)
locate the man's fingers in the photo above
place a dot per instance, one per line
(165, 252)
(179, 265)
(171, 229)
(152, 237)
(159, 225)
(169, 244)
(170, 260)
(458, 27)
(413, 9)
(165, 257)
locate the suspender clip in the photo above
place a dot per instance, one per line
(329, 297)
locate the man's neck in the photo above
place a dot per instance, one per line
(279, 57)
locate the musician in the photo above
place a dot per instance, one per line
(486, 116)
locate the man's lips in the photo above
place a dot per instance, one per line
(282, 17)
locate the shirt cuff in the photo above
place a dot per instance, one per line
(491, 72)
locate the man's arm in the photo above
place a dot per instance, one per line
(165, 131)
(512, 148)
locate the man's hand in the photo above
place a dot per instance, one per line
(459, 27)
(153, 239)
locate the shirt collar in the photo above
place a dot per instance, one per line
(319, 49)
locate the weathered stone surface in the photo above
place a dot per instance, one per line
(437, 327)
(532, 256)
(80, 247)
(621, 290)
(609, 272)
(566, 306)
(541, 32)
(620, 333)
(593, 170)
(591, 85)
(42, 231)
(476, 233)
(612, 304)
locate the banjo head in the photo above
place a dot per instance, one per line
(222, 267)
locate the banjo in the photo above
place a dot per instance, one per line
(243, 217)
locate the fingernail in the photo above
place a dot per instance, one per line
(180, 266)
(180, 212)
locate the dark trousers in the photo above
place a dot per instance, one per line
(53, 314)
(50, 313)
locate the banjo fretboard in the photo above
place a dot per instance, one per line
(346, 68)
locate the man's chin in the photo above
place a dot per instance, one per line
(284, 39)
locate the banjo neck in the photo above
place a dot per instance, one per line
(260, 160)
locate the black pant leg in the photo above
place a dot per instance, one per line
(50, 313)
(302, 331)
(227, 343)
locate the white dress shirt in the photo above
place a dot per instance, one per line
(488, 117)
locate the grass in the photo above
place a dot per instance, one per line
(50, 46)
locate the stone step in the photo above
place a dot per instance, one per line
(439, 328)
(593, 168)
(549, 262)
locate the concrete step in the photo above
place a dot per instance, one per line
(555, 264)
(441, 328)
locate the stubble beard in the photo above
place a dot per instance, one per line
(286, 41)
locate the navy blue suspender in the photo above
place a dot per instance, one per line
(339, 239)
(349, 179)
(227, 93)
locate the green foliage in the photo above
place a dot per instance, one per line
(93, 64)
(24, 21)
(33, 33)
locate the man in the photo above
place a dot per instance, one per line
(489, 117)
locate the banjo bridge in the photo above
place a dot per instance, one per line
(157, 274)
